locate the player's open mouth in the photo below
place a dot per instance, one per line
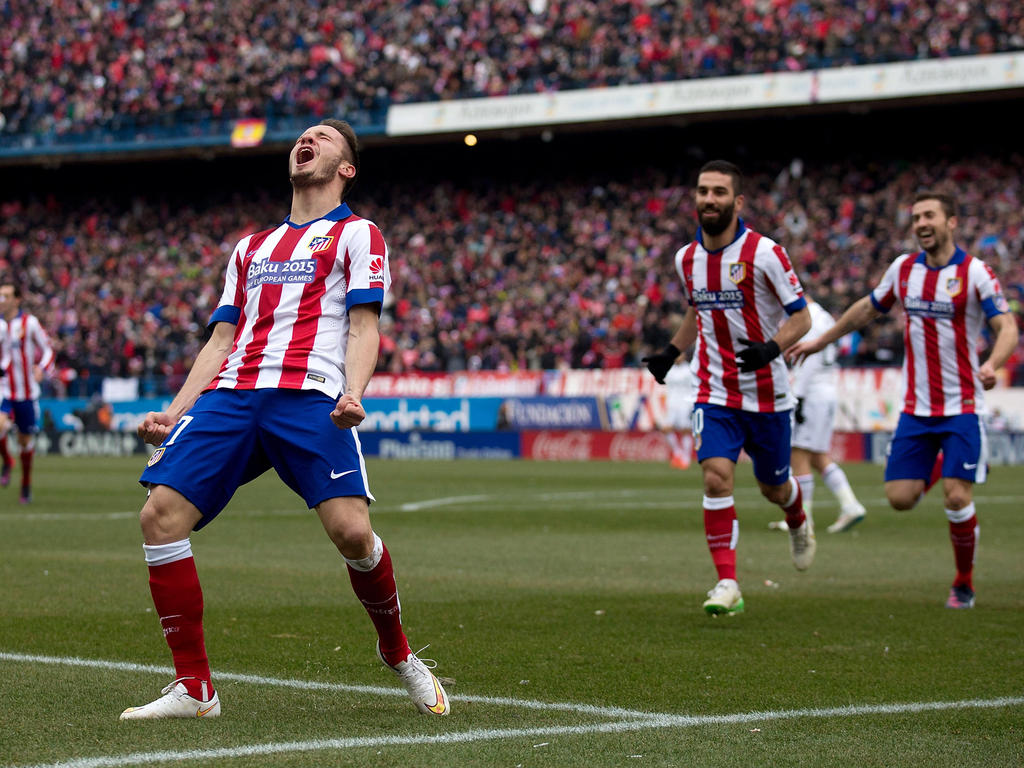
(304, 155)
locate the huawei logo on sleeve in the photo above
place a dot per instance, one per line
(377, 272)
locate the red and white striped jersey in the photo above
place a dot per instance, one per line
(288, 291)
(5, 354)
(743, 291)
(28, 347)
(945, 309)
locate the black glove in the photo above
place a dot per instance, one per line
(798, 414)
(757, 355)
(660, 362)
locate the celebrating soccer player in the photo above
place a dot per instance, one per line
(947, 297)
(29, 357)
(746, 304)
(279, 384)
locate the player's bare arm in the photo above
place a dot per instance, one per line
(796, 327)
(686, 335)
(360, 362)
(1005, 328)
(860, 313)
(155, 427)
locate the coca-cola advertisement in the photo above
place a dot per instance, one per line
(587, 445)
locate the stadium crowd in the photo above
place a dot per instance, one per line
(71, 66)
(558, 272)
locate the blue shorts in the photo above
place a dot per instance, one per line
(230, 437)
(722, 432)
(24, 413)
(918, 440)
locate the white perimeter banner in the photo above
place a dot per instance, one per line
(870, 399)
(704, 95)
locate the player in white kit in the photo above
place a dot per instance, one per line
(678, 411)
(815, 385)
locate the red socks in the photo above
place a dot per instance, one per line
(964, 536)
(26, 468)
(178, 599)
(374, 585)
(794, 508)
(722, 531)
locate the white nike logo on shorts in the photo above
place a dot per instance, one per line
(335, 476)
(970, 466)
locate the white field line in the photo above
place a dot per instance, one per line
(445, 501)
(312, 685)
(463, 737)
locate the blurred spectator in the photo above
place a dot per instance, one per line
(558, 272)
(71, 66)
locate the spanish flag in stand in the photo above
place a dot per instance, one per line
(248, 133)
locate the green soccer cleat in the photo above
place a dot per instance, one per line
(724, 599)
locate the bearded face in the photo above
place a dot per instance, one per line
(715, 217)
(717, 202)
(932, 227)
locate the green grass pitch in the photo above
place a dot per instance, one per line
(562, 599)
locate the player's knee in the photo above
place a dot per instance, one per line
(348, 526)
(776, 494)
(957, 499)
(716, 484)
(163, 521)
(352, 539)
(902, 501)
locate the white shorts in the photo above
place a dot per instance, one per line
(815, 434)
(679, 414)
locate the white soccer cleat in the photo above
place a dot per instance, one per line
(725, 598)
(849, 518)
(802, 545)
(175, 702)
(424, 689)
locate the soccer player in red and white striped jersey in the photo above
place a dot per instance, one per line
(947, 296)
(279, 384)
(746, 304)
(29, 358)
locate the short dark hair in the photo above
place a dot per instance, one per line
(945, 200)
(17, 288)
(352, 140)
(729, 169)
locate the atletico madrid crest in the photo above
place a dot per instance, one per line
(321, 243)
(737, 272)
(953, 286)
(157, 455)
